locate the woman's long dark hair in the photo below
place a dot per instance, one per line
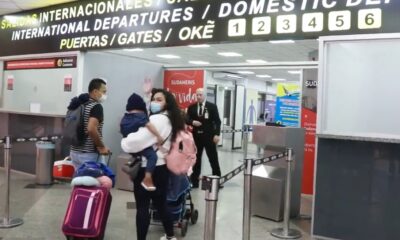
(174, 112)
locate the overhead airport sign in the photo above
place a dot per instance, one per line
(103, 24)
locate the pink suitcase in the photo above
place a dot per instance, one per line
(87, 213)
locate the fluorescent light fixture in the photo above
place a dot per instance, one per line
(168, 56)
(226, 88)
(134, 49)
(230, 54)
(281, 41)
(199, 46)
(263, 76)
(245, 72)
(278, 79)
(199, 62)
(234, 76)
(295, 72)
(256, 61)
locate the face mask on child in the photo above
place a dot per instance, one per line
(155, 107)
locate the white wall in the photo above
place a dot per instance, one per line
(125, 76)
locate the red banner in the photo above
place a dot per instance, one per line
(183, 84)
(61, 62)
(308, 122)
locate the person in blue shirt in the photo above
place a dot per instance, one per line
(136, 117)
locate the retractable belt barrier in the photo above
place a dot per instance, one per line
(7, 221)
(236, 130)
(212, 184)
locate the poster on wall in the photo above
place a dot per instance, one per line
(288, 104)
(251, 106)
(270, 107)
(183, 84)
(308, 122)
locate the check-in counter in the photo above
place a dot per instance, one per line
(268, 180)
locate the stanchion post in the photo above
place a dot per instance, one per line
(6, 221)
(286, 232)
(245, 140)
(247, 200)
(211, 208)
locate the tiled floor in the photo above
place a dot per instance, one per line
(43, 209)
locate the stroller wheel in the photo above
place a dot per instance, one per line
(194, 217)
(184, 227)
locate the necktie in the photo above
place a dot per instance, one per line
(200, 109)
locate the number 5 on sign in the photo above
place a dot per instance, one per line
(313, 22)
(237, 27)
(370, 18)
(339, 21)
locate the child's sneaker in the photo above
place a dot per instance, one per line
(168, 238)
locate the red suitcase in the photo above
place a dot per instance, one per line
(87, 213)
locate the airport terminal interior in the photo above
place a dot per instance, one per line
(306, 91)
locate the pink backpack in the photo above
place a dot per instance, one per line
(182, 155)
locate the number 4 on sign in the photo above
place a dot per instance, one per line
(313, 22)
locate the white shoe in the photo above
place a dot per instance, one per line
(165, 238)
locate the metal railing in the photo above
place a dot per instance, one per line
(211, 186)
(7, 221)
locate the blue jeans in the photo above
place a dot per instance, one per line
(78, 158)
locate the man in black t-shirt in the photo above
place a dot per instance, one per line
(93, 117)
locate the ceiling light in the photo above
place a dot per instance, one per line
(168, 56)
(230, 54)
(256, 61)
(281, 41)
(278, 79)
(234, 76)
(199, 46)
(245, 72)
(199, 62)
(134, 49)
(263, 76)
(295, 72)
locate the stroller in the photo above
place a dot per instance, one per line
(179, 204)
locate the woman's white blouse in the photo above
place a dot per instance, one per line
(143, 138)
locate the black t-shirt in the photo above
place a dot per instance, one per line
(97, 112)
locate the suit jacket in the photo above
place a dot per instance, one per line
(211, 125)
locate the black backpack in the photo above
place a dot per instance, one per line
(74, 127)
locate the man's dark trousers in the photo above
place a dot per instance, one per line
(204, 140)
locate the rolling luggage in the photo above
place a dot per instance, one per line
(87, 213)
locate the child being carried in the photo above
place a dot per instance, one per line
(135, 118)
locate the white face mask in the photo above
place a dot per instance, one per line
(103, 98)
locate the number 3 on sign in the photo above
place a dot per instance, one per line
(370, 18)
(286, 24)
(339, 21)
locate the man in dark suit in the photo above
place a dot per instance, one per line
(204, 118)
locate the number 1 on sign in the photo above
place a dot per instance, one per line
(237, 27)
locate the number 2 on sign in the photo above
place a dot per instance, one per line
(261, 25)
